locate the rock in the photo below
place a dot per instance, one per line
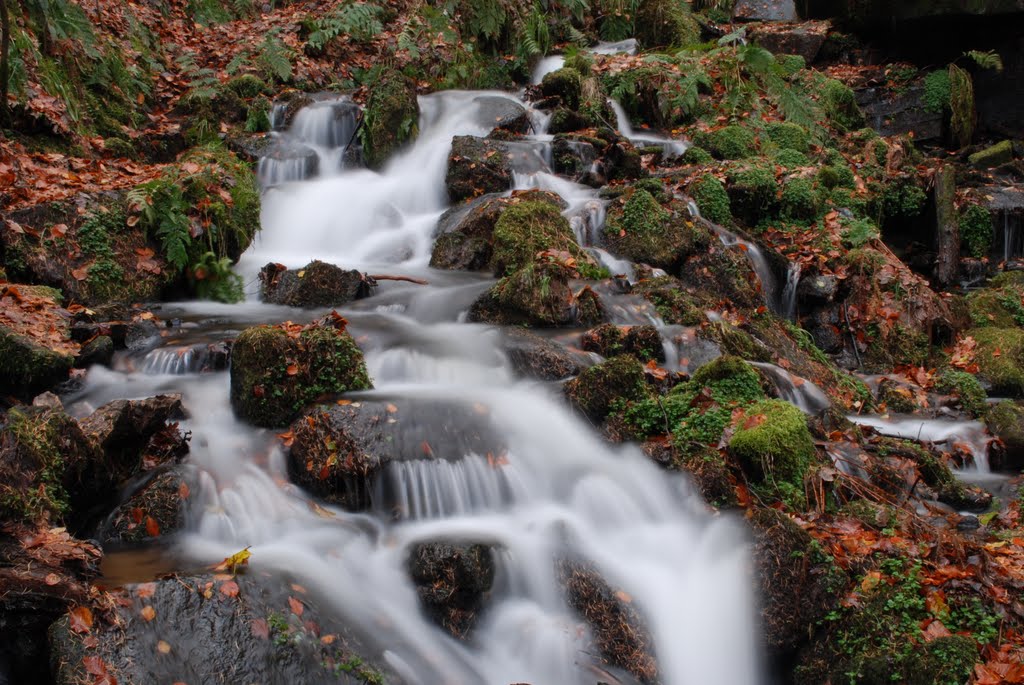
(276, 372)
(670, 298)
(141, 334)
(894, 113)
(250, 147)
(205, 629)
(765, 10)
(897, 397)
(538, 295)
(452, 581)
(27, 368)
(100, 350)
(318, 284)
(503, 113)
(609, 340)
(532, 356)
(813, 291)
(804, 39)
(391, 117)
(573, 155)
(477, 166)
(643, 230)
(156, 508)
(1006, 421)
(996, 155)
(565, 84)
(338, 452)
(529, 227)
(773, 445)
(1000, 358)
(799, 583)
(123, 429)
(287, 161)
(665, 24)
(596, 388)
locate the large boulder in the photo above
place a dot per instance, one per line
(804, 39)
(774, 446)
(503, 113)
(156, 508)
(532, 356)
(643, 230)
(318, 284)
(452, 581)
(477, 166)
(595, 390)
(609, 340)
(540, 295)
(391, 117)
(277, 370)
(123, 429)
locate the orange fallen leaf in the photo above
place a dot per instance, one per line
(296, 606)
(229, 588)
(148, 613)
(81, 619)
(163, 647)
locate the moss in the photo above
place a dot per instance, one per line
(729, 142)
(973, 398)
(529, 227)
(998, 307)
(752, 191)
(858, 233)
(712, 199)
(840, 106)
(996, 155)
(836, 176)
(275, 375)
(695, 154)
(564, 83)
(790, 64)
(1006, 420)
(976, 230)
(580, 61)
(645, 231)
(390, 119)
(799, 201)
(665, 23)
(897, 398)
(597, 388)
(26, 368)
(791, 159)
(937, 91)
(35, 437)
(538, 294)
(903, 199)
(789, 136)
(247, 86)
(773, 443)
(674, 305)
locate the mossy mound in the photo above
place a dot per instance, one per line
(799, 200)
(538, 294)
(276, 371)
(712, 199)
(789, 136)
(670, 298)
(565, 84)
(27, 368)
(527, 228)
(966, 388)
(1006, 421)
(752, 192)
(644, 230)
(665, 23)
(1000, 358)
(609, 340)
(774, 446)
(391, 118)
(318, 284)
(1000, 307)
(729, 142)
(595, 390)
(840, 105)
(477, 166)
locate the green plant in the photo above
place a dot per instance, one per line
(936, 91)
(164, 211)
(976, 230)
(214, 279)
(859, 232)
(712, 199)
(359, 20)
(961, 104)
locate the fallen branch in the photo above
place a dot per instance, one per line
(408, 279)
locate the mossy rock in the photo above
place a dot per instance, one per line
(730, 142)
(538, 294)
(840, 105)
(593, 391)
(752, 192)
(645, 231)
(665, 24)
(318, 284)
(277, 371)
(477, 166)
(527, 228)
(967, 389)
(1000, 307)
(453, 582)
(695, 154)
(799, 201)
(773, 444)
(993, 156)
(673, 303)
(391, 118)
(1006, 421)
(1000, 358)
(156, 509)
(609, 340)
(976, 226)
(897, 397)
(27, 368)
(564, 83)
(836, 176)
(247, 86)
(712, 199)
(788, 136)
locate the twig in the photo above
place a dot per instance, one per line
(408, 279)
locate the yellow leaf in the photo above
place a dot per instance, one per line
(148, 613)
(233, 562)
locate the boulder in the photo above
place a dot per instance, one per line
(318, 284)
(277, 370)
(804, 39)
(774, 446)
(155, 508)
(993, 156)
(1000, 358)
(287, 161)
(538, 295)
(1006, 421)
(609, 340)
(532, 356)
(643, 230)
(900, 112)
(765, 10)
(27, 367)
(574, 155)
(339, 451)
(391, 117)
(452, 581)
(813, 291)
(477, 166)
(123, 429)
(503, 114)
(595, 390)
(665, 24)
(99, 350)
(566, 84)
(529, 227)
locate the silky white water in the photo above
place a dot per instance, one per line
(557, 491)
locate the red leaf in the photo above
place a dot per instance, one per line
(229, 588)
(81, 619)
(296, 606)
(152, 527)
(260, 629)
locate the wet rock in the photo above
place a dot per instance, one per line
(391, 117)
(538, 295)
(573, 156)
(609, 340)
(621, 161)
(124, 428)
(565, 120)
(155, 508)
(620, 633)
(670, 298)
(318, 284)
(338, 452)
(276, 372)
(532, 356)
(996, 155)
(897, 397)
(141, 334)
(1006, 421)
(817, 290)
(100, 350)
(765, 10)
(452, 581)
(594, 390)
(287, 161)
(565, 84)
(804, 39)
(893, 113)
(27, 368)
(799, 583)
(503, 113)
(642, 229)
(477, 166)
(529, 227)
(250, 146)
(204, 629)
(665, 23)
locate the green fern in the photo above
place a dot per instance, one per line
(961, 104)
(360, 21)
(275, 59)
(989, 59)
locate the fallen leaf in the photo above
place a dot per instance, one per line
(163, 647)
(229, 588)
(148, 613)
(296, 606)
(81, 619)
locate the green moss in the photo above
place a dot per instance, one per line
(999, 307)
(1006, 420)
(274, 375)
(903, 199)
(836, 176)
(564, 83)
(773, 443)
(857, 233)
(789, 65)
(37, 439)
(390, 119)
(665, 23)
(966, 387)
(976, 230)
(996, 155)
(526, 228)
(580, 61)
(752, 191)
(789, 136)
(695, 154)
(799, 201)
(645, 231)
(791, 159)
(247, 86)
(730, 142)
(840, 106)
(712, 199)
(1000, 358)
(599, 387)
(27, 368)
(674, 305)
(937, 91)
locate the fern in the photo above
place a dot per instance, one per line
(989, 59)
(275, 59)
(360, 21)
(961, 104)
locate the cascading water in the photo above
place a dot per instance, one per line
(556, 491)
(670, 147)
(314, 144)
